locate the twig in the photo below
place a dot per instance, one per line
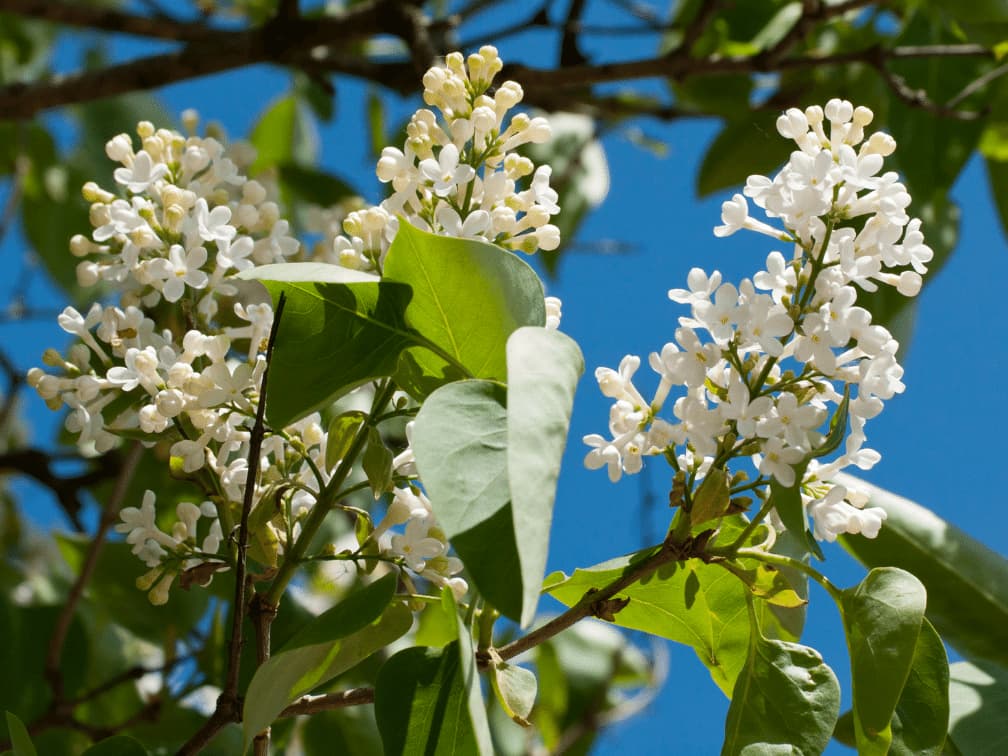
(228, 707)
(91, 16)
(977, 84)
(599, 602)
(329, 701)
(37, 464)
(570, 52)
(695, 29)
(108, 516)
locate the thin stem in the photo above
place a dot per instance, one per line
(323, 505)
(228, 704)
(784, 561)
(751, 527)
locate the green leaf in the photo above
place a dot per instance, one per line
(920, 722)
(284, 133)
(788, 503)
(460, 444)
(932, 151)
(768, 583)
(313, 186)
(978, 698)
(468, 297)
(117, 745)
(340, 436)
(997, 177)
(515, 688)
(377, 464)
(781, 684)
(454, 301)
(543, 367)
(700, 605)
(921, 718)
(712, 498)
(421, 704)
(332, 643)
(20, 740)
(882, 617)
(471, 682)
(492, 498)
(743, 147)
(350, 731)
(967, 583)
(340, 328)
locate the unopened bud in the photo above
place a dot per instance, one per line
(94, 193)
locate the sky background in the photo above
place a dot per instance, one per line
(939, 440)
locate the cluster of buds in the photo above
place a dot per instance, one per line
(461, 175)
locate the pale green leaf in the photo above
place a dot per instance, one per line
(460, 443)
(543, 367)
(515, 688)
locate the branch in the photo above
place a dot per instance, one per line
(600, 603)
(228, 703)
(282, 41)
(96, 17)
(329, 701)
(37, 464)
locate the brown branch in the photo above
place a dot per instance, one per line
(229, 705)
(37, 464)
(282, 41)
(96, 17)
(329, 701)
(603, 602)
(109, 514)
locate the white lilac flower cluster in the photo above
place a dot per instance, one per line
(185, 221)
(759, 366)
(460, 176)
(152, 545)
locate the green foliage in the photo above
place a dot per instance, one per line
(882, 617)
(451, 303)
(424, 701)
(700, 605)
(468, 297)
(490, 462)
(966, 582)
(781, 684)
(340, 638)
(978, 695)
(20, 739)
(117, 745)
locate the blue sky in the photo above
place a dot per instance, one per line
(939, 440)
